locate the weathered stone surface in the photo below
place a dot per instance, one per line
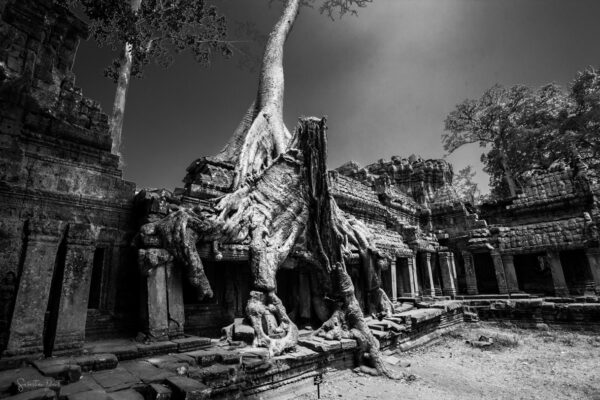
(188, 389)
(126, 395)
(116, 379)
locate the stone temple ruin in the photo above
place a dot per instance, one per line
(82, 275)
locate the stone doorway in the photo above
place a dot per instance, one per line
(534, 274)
(485, 273)
(577, 272)
(403, 277)
(96, 288)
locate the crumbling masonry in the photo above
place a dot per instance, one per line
(70, 273)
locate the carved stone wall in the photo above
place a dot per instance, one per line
(65, 208)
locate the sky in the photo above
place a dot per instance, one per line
(386, 79)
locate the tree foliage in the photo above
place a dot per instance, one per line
(158, 31)
(464, 185)
(525, 130)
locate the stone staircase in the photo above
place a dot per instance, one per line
(198, 368)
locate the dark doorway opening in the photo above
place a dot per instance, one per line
(533, 274)
(422, 277)
(96, 282)
(577, 271)
(52, 309)
(403, 277)
(485, 273)
(461, 279)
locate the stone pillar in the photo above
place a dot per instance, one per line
(77, 276)
(25, 334)
(411, 263)
(558, 277)
(593, 256)
(512, 284)
(427, 272)
(453, 266)
(470, 273)
(435, 273)
(161, 277)
(448, 280)
(499, 269)
(394, 280)
(176, 310)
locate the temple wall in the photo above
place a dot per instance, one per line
(66, 209)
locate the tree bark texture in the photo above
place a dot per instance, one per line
(271, 221)
(262, 135)
(118, 111)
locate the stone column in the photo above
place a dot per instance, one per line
(33, 289)
(448, 282)
(77, 276)
(499, 269)
(454, 275)
(176, 308)
(411, 263)
(394, 280)
(470, 273)
(558, 277)
(426, 267)
(512, 284)
(593, 256)
(154, 264)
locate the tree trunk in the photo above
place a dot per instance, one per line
(508, 177)
(118, 112)
(261, 135)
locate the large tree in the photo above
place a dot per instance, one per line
(145, 31)
(304, 217)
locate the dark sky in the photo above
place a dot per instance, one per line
(386, 80)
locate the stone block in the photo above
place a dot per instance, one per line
(191, 343)
(320, 346)
(116, 379)
(76, 387)
(38, 394)
(146, 372)
(90, 395)
(159, 392)
(188, 389)
(129, 394)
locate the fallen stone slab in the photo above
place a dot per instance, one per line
(10, 379)
(122, 349)
(191, 343)
(63, 369)
(38, 394)
(146, 372)
(217, 374)
(90, 395)
(188, 389)
(77, 387)
(96, 362)
(380, 335)
(116, 379)
(321, 346)
(126, 395)
(159, 392)
(156, 348)
(391, 360)
(423, 314)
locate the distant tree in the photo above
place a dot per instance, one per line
(464, 185)
(579, 131)
(516, 125)
(148, 31)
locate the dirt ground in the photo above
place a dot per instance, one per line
(542, 364)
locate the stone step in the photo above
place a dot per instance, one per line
(188, 389)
